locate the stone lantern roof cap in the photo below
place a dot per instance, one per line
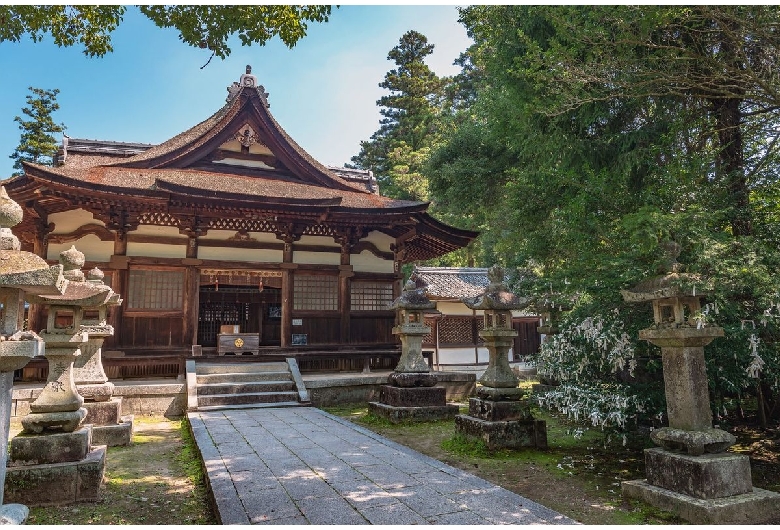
(11, 213)
(671, 285)
(412, 298)
(496, 295)
(85, 294)
(20, 269)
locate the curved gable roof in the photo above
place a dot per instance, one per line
(246, 106)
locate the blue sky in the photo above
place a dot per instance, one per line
(323, 92)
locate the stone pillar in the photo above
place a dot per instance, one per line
(411, 392)
(690, 473)
(497, 415)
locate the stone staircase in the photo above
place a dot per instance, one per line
(221, 385)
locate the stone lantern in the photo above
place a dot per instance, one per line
(54, 461)
(690, 473)
(109, 427)
(411, 392)
(497, 415)
(20, 273)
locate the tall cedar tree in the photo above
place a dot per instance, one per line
(399, 149)
(38, 144)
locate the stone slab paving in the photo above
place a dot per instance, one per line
(301, 465)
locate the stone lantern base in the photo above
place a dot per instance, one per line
(706, 489)
(498, 417)
(56, 468)
(413, 397)
(109, 427)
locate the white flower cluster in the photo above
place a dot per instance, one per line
(594, 344)
(601, 406)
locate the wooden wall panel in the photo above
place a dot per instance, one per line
(152, 331)
(320, 329)
(376, 329)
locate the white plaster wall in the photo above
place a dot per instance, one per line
(93, 248)
(466, 355)
(224, 235)
(162, 231)
(240, 254)
(456, 355)
(320, 258)
(455, 309)
(156, 250)
(67, 222)
(380, 240)
(367, 262)
(323, 241)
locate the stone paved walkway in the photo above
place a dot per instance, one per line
(300, 465)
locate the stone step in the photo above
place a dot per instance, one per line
(256, 405)
(244, 399)
(240, 368)
(246, 377)
(245, 388)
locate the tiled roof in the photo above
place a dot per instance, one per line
(204, 183)
(451, 282)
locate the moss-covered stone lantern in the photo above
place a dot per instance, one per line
(497, 415)
(411, 393)
(690, 473)
(497, 304)
(411, 329)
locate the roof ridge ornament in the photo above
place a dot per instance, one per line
(247, 80)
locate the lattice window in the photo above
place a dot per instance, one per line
(316, 293)
(429, 339)
(371, 296)
(155, 290)
(318, 230)
(480, 326)
(456, 331)
(157, 218)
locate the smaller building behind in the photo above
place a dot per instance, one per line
(454, 339)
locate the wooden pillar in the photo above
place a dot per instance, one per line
(40, 248)
(288, 279)
(345, 282)
(290, 234)
(345, 302)
(190, 303)
(119, 283)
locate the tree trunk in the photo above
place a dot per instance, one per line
(731, 164)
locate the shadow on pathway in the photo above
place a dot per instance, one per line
(300, 465)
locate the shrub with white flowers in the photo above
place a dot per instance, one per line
(585, 358)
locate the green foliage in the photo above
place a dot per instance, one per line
(592, 135)
(201, 26)
(37, 143)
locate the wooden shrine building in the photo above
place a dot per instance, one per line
(229, 223)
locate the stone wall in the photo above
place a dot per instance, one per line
(143, 398)
(362, 388)
(169, 398)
